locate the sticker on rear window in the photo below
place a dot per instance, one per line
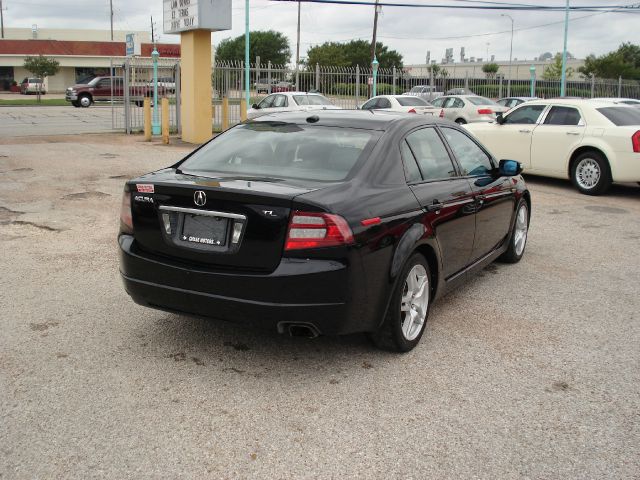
(144, 187)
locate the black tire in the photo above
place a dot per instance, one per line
(390, 335)
(75, 103)
(513, 254)
(461, 121)
(85, 101)
(589, 166)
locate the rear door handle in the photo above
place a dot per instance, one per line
(524, 130)
(573, 133)
(435, 206)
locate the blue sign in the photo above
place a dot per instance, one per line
(131, 44)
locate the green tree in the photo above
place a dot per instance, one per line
(41, 67)
(623, 62)
(554, 71)
(350, 54)
(490, 69)
(268, 45)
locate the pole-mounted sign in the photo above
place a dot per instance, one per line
(185, 15)
(133, 46)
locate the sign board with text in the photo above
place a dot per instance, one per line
(132, 45)
(185, 15)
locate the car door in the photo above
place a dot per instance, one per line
(102, 90)
(559, 134)
(456, 110)
(494, 195)
(512, 139)
(446, 197)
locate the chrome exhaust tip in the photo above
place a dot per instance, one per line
(306, 330)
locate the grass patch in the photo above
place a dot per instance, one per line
(33, 102)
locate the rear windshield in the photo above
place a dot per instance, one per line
(276, 149)
(411, 101)
(481, 101)
(311, 100)
(621, 116)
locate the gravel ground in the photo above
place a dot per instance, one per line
(529, 371)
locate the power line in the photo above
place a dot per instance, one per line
(485, 6)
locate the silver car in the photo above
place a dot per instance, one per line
(468, 108)
(424, 91)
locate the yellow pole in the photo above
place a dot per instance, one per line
(165, 121)
(147, 119)
(225, 113)
(196, 85)
(243, 109)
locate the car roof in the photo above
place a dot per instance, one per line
(365, 119)
(576, 102)
(297, 93)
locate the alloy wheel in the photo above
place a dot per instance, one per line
(414, 302)
(521, 230)
(588, 173)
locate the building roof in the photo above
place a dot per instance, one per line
(78, 48)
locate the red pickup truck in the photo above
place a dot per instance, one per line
(105, 89)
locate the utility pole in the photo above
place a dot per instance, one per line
(153, 37)
(563, 81)
(111, 9)
(510, 53)
(297, 51)
(375, 32)
(1, 19)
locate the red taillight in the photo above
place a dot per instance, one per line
(635, 141)
(126, 222)
(485, 111)
(442, 113)
(317, 230)
(413, 110)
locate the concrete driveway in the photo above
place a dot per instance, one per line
(529, 371)
(32, 120)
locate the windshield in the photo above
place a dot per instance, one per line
(311, 100)
(481, 101)
(621, 116)
(412, 102)
(277, 149)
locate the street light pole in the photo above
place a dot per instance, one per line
(298, 51)
(1, 20)
(563, 82)
(374, 67)
(510, 54)
(110, 7)
(246, 53)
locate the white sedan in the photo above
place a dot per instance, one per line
(468, 108)
(591, 142)
(401, 103)
(290, 101)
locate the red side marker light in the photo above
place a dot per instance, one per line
(370, 221)
(485, 111)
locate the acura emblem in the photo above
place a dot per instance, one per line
(200, 198)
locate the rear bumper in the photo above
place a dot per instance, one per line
(625, 166)
(317, 292)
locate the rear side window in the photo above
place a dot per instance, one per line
(411, 101)
(621, 116)
(383, 103)
(276, 149)
(431, 154)
(473, 160)
(410, 165)
(563, 116)
(438, 102)
(527, 115)
(481, 101)
(371, 104)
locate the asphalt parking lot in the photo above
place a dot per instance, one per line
(28, 121)
(529, 371)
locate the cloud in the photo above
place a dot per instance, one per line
(412, 32)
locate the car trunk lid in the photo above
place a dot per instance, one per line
(224, 222)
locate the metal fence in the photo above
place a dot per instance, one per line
(349, 87)
(133, 82)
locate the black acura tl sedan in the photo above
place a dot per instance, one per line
(322, 223)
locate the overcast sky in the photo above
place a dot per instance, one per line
(410, 31)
